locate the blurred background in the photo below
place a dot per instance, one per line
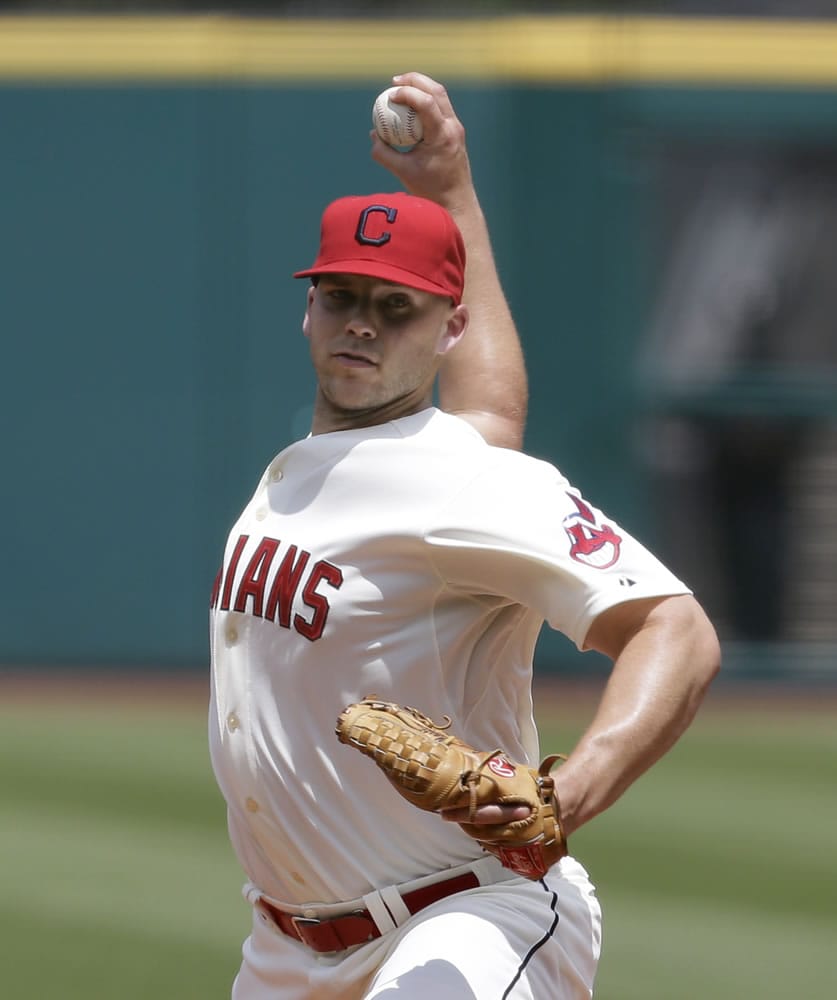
(662, 195)
(661, 184)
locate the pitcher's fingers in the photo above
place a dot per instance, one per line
(431, 113)
(430, 86)
(488, 815)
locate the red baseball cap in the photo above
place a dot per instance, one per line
(397, 237)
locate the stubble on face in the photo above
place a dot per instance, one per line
(376, 349)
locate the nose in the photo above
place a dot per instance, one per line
(360, 325)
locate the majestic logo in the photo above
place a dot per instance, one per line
(365, 238)
(591, 543)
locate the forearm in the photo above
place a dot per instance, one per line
(484, 379)
(486, 373)
(658, 681)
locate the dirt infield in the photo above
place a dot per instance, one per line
(184, 688)
(153, 688)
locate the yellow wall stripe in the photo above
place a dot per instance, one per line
(524, 49)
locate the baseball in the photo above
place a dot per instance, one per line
(397, 124)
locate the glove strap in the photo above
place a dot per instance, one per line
(471, 779)
(527, 860)
(547, 785)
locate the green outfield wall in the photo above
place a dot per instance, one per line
(161, 179)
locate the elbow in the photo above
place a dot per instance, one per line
(498, 429)
(686, 627)
(710, 659)
(699, 660)
(705, 658)
(709, 643)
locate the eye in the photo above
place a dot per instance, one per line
(397, 302)
(336, 296)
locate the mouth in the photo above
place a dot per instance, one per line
(354, 360)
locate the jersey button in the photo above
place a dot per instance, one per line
(232, 635)
(276, 474)
(232, 722)
(261, 513)
(251, 805)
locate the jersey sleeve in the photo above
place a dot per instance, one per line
(522, 532)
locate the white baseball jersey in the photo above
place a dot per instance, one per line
(409, 560)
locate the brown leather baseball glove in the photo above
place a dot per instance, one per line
(435, 770)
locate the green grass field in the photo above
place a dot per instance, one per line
(716, 871)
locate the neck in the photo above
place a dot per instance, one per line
(328, 418)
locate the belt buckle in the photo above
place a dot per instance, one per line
(328, 938)
(304, 921)
(302, 926)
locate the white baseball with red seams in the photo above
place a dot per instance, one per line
(351, 570)
(397, 124)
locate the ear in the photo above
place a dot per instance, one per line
(454, 330)
(306, 319)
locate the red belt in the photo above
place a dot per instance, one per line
(356, 927)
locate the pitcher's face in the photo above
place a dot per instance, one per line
(376, 348)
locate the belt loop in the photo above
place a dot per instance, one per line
(395, 904)
(374, 902)
(251, 893)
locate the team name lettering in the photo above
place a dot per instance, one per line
(273, 580)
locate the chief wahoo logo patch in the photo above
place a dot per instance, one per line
(591, 543)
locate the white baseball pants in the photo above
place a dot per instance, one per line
(514, 940)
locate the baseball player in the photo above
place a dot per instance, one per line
(411, 551)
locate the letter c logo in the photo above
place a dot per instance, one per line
(360, 232)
